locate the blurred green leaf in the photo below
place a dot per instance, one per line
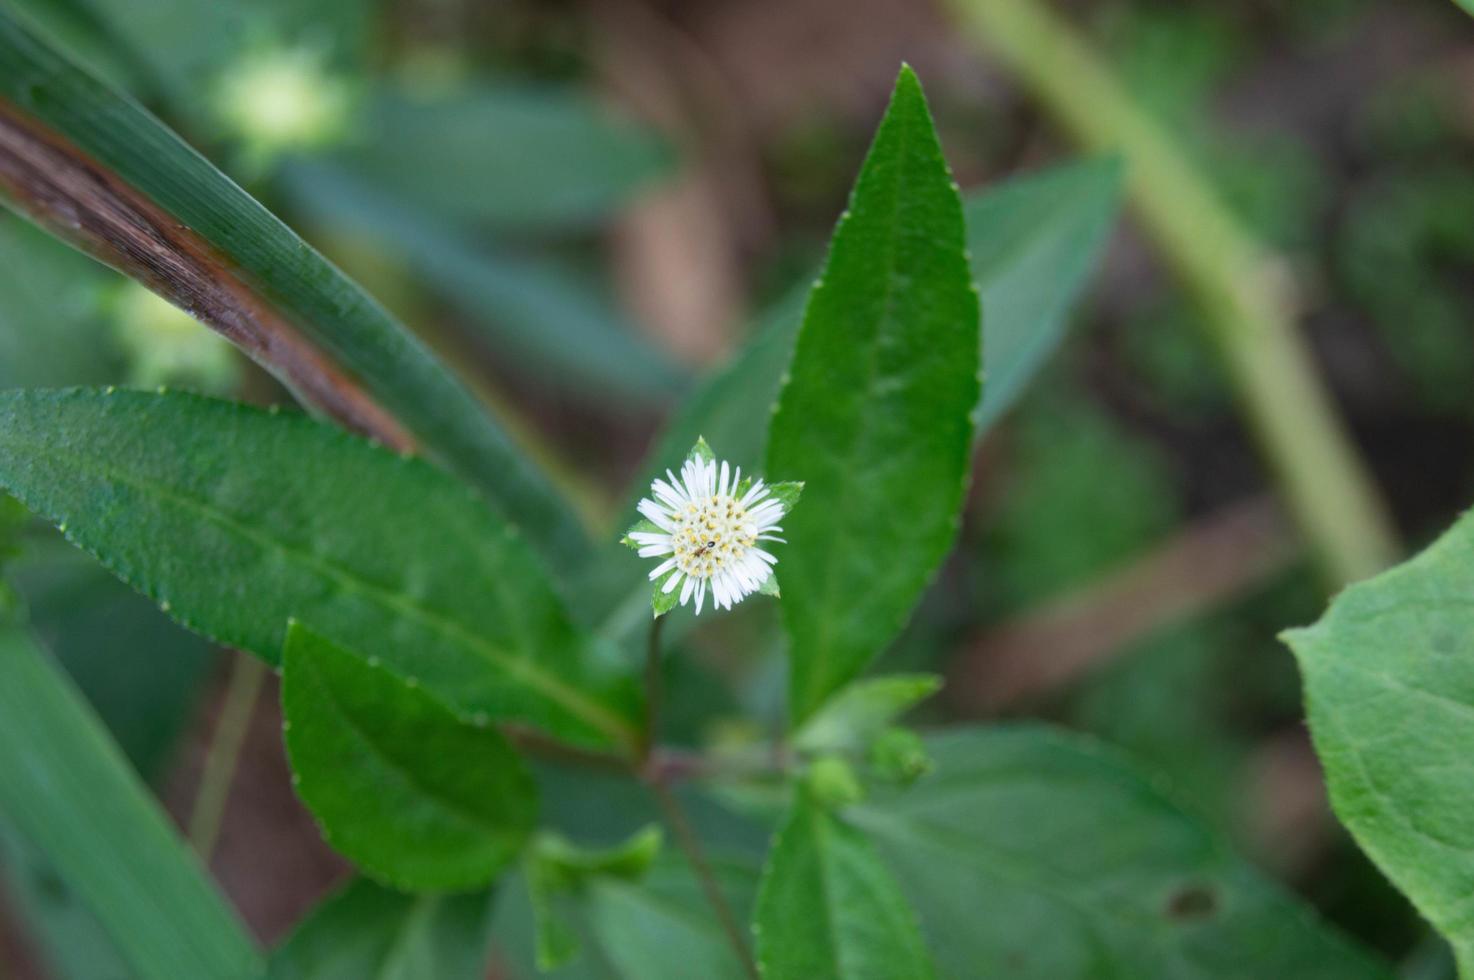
(558, 868)
(70, 792)
(412, 794)
(237, 520)
(829, 910)
(140, 672)
(876, 417)
(51, 327)
(660, 928)
(1034, 854)
(288, 276)
(365, 932)
(1389, 685)
(516, 157)
(1030, 269)
(546, 319)
(1033, 242)
(851, 719)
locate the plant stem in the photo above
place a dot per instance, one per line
(654, 692)
(1246, 294)
(246, 677)
(690, 845)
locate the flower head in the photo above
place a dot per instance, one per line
(709, 526)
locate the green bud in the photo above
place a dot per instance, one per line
(899, 755)
(833, 782)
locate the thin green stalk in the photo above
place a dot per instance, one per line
(246, 677)
(654, 692)
(1246, 293)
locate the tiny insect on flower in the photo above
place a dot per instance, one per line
(709, 527)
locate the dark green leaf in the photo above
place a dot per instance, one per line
(236, 520)
(284, 275)
(1034, 854)
(69, 791)
(876, 417)
(511, 156)
(828, 909)
(412, 794)
(1389, 683)
(365, 932)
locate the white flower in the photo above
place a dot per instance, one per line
(709, 528)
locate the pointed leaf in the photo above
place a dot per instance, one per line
(237, 520)
(856, 715)
(828, 909)
(415, 796)
(1389, 684)
(876, 417)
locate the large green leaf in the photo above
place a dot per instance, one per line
(1389, 684)
(1034, 854)
(1029, 266)
(69, 791)
(829, 910)
(506, 155)
(412, 794)
(236, 520)
(365, 932)
(296, 296)
(546, 319)
(876, 417)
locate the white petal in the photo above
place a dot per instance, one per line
(700, 594)
(687, 589)
(649, 537)
(755, 492)
(766, 537)
(655, 515)
(662, 568)
(764, 556)
(672, 582)
(651, 550)
(726, 475)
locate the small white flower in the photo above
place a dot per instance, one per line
(709, 527)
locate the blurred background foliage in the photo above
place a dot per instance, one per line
(583, 205)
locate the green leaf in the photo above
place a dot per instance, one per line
(1033, 243)
(365, 932)
(1035, 855)
(876, 416)
(1033, 239)
(659, 928)
(850, 720)
(237, 520)
(412, 794)
(547, 320)
(1389, 684)
(514, 156)
(72, 795)
(828, 909)
(282, 275)
(558, 868)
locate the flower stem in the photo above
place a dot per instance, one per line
(654, 692)
(246, 677)
(690, 845)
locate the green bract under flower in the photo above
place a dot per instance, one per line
(709, 526)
